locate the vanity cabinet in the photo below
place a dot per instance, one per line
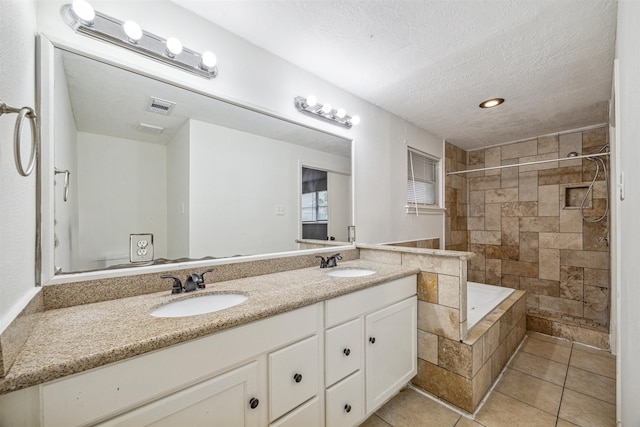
(371, 349)
(207, 378)
(328, 364)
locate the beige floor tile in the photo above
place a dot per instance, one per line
(586, 411)
(595, 363)
(565, 423)
(594, 385)
(592, 350)
(501, 410)
(375, 421)
(466, 422)
(554, 340)
(531, 390)
(539, 367)
(553, 351)
(411, 409)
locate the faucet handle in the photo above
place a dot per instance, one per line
(177, 284)
(323, 262)
(199, 278)
(332, 261)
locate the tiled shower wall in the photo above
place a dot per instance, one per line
(525, 227)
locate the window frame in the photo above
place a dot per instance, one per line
(414, 207)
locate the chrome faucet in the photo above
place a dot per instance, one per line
(194, 282)
(330, 261)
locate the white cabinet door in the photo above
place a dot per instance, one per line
(225, 400)
(293, 376)
(343, 351)
(391, 350)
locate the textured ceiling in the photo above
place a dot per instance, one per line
(432, 62)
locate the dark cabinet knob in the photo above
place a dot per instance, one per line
(372, 340)
(346, 351)
(253, 402)
(297, 378)
(347, 408)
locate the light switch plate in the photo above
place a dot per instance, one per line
(141, 247)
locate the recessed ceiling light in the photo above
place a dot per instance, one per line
(493, 102)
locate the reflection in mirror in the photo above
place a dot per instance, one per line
(195, 176)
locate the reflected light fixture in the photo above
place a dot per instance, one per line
(490, 103)
(326, 112)
(81, 16)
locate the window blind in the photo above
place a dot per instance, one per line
(421, 178)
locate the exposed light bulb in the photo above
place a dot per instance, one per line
(311, 101)
(174, 47)
(83, 11)
(133, 31)
(208, 61)
(326, 108)
(341, 113)
(355, 120)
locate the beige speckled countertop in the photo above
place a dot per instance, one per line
(74, 339)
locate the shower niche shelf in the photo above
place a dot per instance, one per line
(573, 196)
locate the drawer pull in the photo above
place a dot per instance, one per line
(372, 340)
(297, 378)
(347, 408)
(346, 351)
(253, 402)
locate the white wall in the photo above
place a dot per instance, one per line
(221, 175)
(17, 193)
(122, 189)
(178, 195)
(628, 54)
(248, 75)
(66, 213)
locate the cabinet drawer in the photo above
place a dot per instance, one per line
(307, 415)
(339, 310)
(345, 402)
(343, 351)
(293, 376)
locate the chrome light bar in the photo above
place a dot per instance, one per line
(84, 20)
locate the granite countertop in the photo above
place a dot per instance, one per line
(74, 339)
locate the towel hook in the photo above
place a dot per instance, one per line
(66, 181)
(22, 113)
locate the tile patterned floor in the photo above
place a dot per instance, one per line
(549, 382)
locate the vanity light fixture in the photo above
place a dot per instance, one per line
(81, 16)
(490, 103)
(326, 112)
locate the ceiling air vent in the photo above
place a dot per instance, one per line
(160, 106)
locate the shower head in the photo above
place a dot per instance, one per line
(573, 154)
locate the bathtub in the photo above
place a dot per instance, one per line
(482, 299)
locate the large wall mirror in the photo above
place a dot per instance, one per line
(134, 155)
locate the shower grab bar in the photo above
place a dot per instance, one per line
(537, 162)
(22, 113)
(66, 173)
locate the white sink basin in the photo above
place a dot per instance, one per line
(198, 305)
(350, 272)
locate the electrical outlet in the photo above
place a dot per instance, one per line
(279, 209)
(141, 247)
